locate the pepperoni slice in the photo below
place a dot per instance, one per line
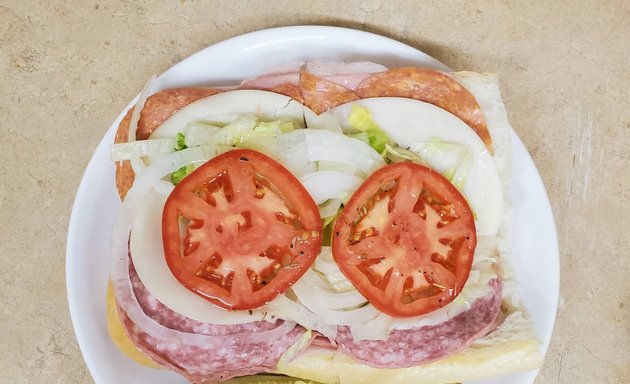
(321, 95)
(288, 89)
(430, 86)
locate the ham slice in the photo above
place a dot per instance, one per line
(348, 75)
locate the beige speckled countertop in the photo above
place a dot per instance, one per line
(68, 68)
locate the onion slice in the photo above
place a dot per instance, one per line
(330, 208)
(137, 149)
(319, 292)
(332, 146)
(327, 185)
(136, 164)
(296, 312)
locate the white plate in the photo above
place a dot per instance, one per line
(535, 249)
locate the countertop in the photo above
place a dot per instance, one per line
(67, 69)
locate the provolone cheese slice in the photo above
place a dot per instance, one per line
(222, 107)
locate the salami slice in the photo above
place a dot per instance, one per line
(410, 347)
(430, 86)
(223, 351)
(321, 95)
(157, 109)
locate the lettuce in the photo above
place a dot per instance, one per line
(395, 154)
(361, 120)
(179, 175)
(181, 142)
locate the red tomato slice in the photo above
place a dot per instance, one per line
(240, 230)
(406, 240)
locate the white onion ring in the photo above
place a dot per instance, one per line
(326, 185)
(325, 264)
(319, 291)
(136, 164)
(137, 149)
(296, 312)
(331, 146)
(330, 208)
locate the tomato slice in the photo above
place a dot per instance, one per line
(406, 240)
(240, 229)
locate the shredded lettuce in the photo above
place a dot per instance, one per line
(234, 132)
(395, 154)
(361, 120)
(240, 130)
(274, 127)
(269, 129)
(201, 133)
(360, 136)
(454, 161)
(181, 142)
(437, 147)
(182, 172)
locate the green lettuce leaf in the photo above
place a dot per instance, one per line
(181, 142)
(361, 120)
(179, 175)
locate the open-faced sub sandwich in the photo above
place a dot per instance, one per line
(325, 222)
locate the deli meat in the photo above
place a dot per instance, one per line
(411, 347)
(321, 95)
(348, 75)
(208, 353)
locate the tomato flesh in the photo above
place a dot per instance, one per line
(406, 240)
(240, 230)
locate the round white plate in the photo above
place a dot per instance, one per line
(535, 250)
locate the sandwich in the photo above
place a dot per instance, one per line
(323, 222)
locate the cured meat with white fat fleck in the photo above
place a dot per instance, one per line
(209, 353)
(411, 347)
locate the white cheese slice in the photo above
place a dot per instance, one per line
(223, 107)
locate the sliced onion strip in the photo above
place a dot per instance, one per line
(331, 146)
(326, 185)
(137, 149)
(136, 164)
(325, 297)
(330, 208)
(293, 311)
